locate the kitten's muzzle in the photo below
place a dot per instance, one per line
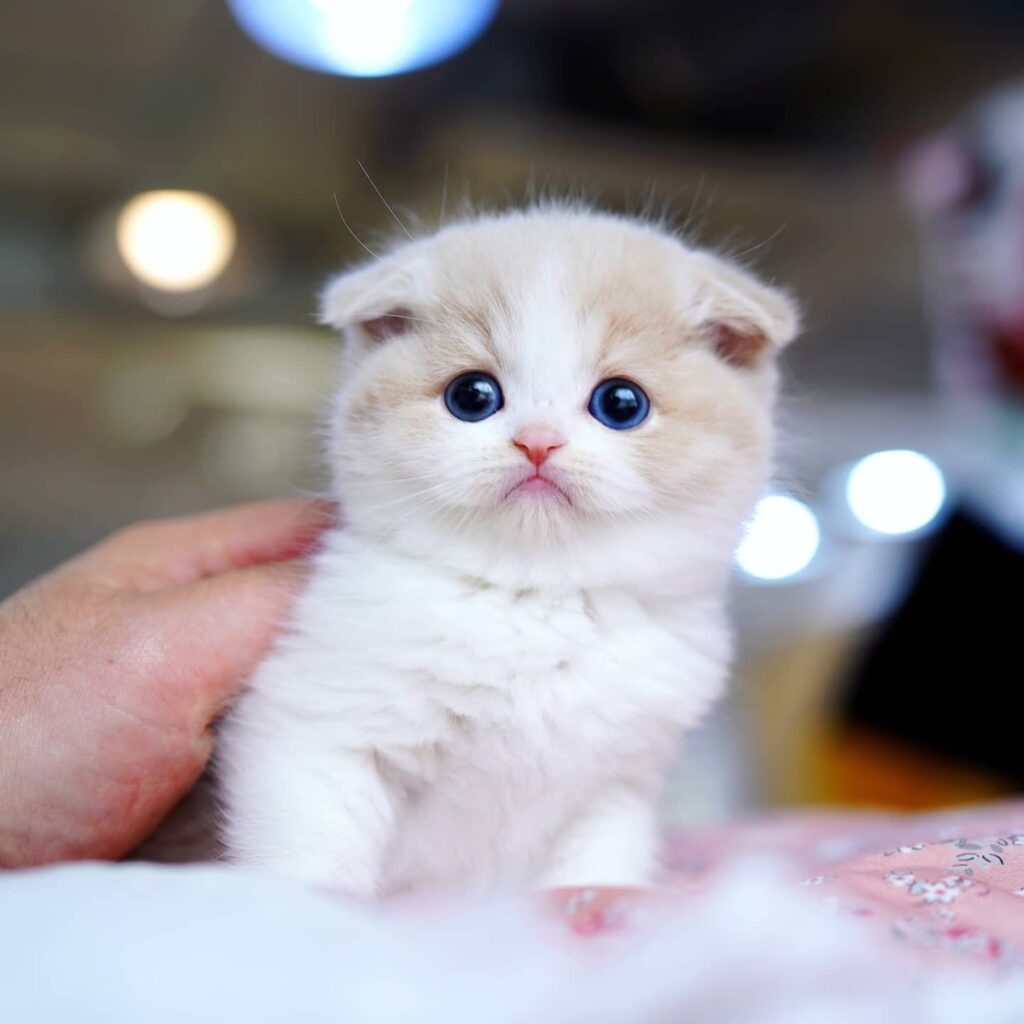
(537, 443)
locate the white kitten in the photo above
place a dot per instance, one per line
(496, 654)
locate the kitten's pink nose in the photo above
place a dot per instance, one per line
(537, 443)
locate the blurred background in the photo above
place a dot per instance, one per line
(178, 178)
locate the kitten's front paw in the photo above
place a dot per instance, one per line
(594, 910)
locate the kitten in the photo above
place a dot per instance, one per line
(551, 427)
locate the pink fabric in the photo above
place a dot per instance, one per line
(947, 885)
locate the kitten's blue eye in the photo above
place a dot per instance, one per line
(473, 396)
(619, 404)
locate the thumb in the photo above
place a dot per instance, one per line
(226, 624)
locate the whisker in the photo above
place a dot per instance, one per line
(337, 206)
(434, 506)
(407, 316)
(405, 499)
(696, 213)
(760, 245)
(321, 397)
(694, 200)
(387, 205)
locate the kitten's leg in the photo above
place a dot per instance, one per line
(613, 840)
(324, 817)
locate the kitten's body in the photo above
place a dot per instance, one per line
(483, 683)
(492, 726)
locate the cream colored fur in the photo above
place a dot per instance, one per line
(483, 689)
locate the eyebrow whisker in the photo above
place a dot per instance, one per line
(387, 205)
(760, 245)
(337, 206)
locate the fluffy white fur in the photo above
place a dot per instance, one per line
(483, 686)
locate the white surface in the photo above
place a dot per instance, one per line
(137, 943)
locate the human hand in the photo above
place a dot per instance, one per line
(115, 665)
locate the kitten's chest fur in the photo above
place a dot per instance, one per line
(490, 710)
(448, 659)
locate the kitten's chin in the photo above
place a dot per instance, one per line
(536, 489)
(543, 542)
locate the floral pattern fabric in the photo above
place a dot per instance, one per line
(941, 886)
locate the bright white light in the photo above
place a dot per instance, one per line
(370, 36)
(896, 491)
(364, 38)
(780, 540)
(175, 241)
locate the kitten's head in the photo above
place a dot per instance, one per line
(552, 382)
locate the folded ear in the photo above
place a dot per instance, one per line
(372, 300)
(745, 320)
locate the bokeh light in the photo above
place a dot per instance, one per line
(896, 492)
(780, 540)
(175, 241)
(364, 38)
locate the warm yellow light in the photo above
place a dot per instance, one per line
(175, 241)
